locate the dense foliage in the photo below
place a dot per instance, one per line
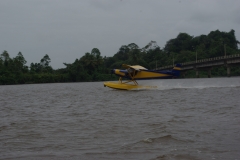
(93, 67)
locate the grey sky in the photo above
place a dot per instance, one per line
(67, 29)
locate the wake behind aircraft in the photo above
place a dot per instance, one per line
(137, 72)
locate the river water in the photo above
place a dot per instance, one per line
(180, 119)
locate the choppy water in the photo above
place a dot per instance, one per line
(181, 119)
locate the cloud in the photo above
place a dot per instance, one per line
(66, 30)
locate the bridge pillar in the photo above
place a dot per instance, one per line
(209, 73)
(197, 74)
(228, 71)
(183, 74)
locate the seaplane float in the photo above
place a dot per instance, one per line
(137, 72)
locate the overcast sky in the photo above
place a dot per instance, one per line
(67, 29)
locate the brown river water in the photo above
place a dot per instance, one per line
(186, 119)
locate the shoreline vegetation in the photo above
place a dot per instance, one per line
(93, 67)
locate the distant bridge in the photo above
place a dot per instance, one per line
(207, 64)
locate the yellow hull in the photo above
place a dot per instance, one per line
(124, 86)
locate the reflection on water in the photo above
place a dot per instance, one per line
(181, 119)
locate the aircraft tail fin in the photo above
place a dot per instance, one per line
(177, 67)
(176, 70)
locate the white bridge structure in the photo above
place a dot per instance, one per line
(208, 64)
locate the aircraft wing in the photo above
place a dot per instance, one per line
(135, 67)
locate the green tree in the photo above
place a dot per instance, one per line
(182, 42)
(122, 54)
(5, 56)
(20, 63)
(97, 57)
(44, 63)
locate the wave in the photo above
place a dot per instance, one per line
(166, 138)
(176, 156)
(195, 83)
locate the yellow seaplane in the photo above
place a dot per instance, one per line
(137, 72)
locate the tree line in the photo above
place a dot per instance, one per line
(93, 67)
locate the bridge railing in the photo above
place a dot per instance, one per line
(202, 60)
